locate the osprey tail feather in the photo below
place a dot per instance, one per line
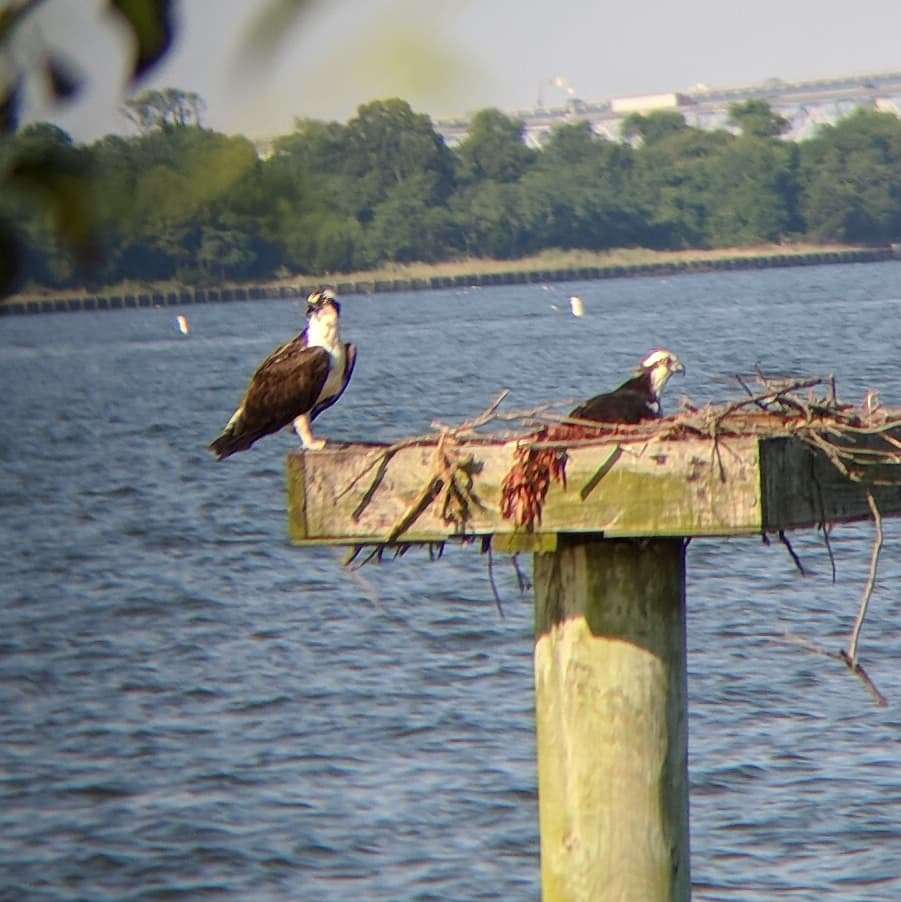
(233, 439)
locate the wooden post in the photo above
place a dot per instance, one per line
(610, 663)
(610, 682)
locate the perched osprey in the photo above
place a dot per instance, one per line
(295, 383)
(637, 399)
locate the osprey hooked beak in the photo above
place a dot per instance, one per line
(661, 364)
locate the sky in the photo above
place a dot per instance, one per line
(453, 57)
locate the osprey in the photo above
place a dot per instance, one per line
(295, 383)
(637, 399)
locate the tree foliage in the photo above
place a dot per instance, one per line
(851, 179)
(181, 201)
(493, 150)
(649, 128)
(756, 119)
(164, 110)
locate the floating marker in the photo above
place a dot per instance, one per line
(577, 306)
(183, 325)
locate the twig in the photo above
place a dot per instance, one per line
(428, 494)
(524, 582)
(497, 597)
(783, 538)
(828, 542)
(871, 582)
(789, 639)
(822, 506)
(748, 391)
(376, 482)
(772, 395)
(378, 455)
(842, 656)
(485, 417)
(858, 671)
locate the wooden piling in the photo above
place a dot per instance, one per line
(609, 553)
(610, 698)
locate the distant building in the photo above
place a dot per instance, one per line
(648, 103)
(806, 105)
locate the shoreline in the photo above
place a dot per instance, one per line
(347, 285)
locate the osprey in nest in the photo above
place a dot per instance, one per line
(636, 399)
(526, 485)
(295, 383)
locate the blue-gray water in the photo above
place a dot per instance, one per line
(191, 708)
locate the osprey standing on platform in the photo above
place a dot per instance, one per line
(637, 399)
(295, 383)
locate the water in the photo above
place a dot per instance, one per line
(191, 708)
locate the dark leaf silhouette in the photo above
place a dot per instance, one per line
(61, 75)
(9, 110)
(272, 26)
(151, 24)
(66, 193)
(10, 260)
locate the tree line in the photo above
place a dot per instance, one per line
(181, 201)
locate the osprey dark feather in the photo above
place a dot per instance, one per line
(295, 383)
(636, 399)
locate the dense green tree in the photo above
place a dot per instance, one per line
(494, 149)
(652, 127)
(181, 201)
(387, 144)
(756, 119)
(579, 193)
(163, 110)
(405, 227)
(851, 179)
(753, 195)
(490, 220)
(672, 186)
(317, 146)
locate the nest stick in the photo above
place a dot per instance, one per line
(497, 597)
(783, 538)
(871, 583)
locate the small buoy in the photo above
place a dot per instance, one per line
(555, 307)
(183, 325)
(576, 305)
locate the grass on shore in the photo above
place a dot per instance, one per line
(546, 260)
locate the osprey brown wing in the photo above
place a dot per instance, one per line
(285, 388)
(285, 385)
(632, 402)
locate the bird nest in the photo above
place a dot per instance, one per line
(806, 409)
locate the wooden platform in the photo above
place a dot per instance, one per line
(742, 486)
(609, 575)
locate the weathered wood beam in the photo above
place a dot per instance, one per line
(611, 710)
(801, 487)
(738, 486)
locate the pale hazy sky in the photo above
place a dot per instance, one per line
(457, 56)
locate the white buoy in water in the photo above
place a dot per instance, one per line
(183, 325)
(577, 306)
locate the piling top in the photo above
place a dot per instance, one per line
(750, 474)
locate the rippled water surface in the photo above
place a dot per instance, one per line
(191, 708)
